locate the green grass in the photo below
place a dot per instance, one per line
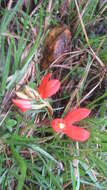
(45, 160)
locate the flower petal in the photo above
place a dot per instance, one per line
(22, 104)
(56, 123)
(77, 133)
(76, 115)
(43, 83)
(50, 88)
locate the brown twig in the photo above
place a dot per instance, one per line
(86, 37)
(36, 8)
(10, 4)
(73, 54)
(7, 34)
(79, 84)
(90, 92)
(75, 93)
(49, 10)
(6, 115)
(67, 184)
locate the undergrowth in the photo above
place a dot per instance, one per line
(32, 155)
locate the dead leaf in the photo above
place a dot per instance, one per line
(57, 42)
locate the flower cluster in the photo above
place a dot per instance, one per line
(47, 88)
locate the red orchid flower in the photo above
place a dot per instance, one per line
(22, 104)
(48, 87)
(66, 125)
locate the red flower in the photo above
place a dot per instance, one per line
(48, 87)
(22, 104)
(66, 125)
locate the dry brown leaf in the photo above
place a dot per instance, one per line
(57, 42)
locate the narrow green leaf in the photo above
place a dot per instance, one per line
(22, 164)
(6, 70)
(72, 176)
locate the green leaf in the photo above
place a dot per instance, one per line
(72, 176)
(10, 123)
(43, 152)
